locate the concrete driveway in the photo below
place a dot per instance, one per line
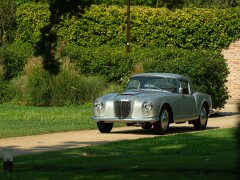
(57, 141)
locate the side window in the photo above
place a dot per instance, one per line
(184, 86)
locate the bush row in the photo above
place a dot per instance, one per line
(153, 3)
(186, 28)
(38, 88)
(30, 19)
(207, 69)
(13, 58)
(113, 63)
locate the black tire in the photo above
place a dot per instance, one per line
(161, 126)
(201, 122)
(104, 127)
(147, 126)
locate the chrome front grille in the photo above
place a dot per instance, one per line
(122, 108)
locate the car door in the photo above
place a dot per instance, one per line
(188, 104)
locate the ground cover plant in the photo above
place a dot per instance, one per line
(203, 155)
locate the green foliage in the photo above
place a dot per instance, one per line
(114, 64)
(173, 4)
(186, 28)
(31, 18)
(14, 58)
(207, 69)
(97, 27)
(113, 88)
(37, 87)
(5, 91)
(211, 3)
(7, 18)
(69, 87)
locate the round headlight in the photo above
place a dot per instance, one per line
(98, 105)
(147, 106)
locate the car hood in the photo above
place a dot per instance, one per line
(141, 95)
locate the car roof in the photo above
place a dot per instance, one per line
(165, 75)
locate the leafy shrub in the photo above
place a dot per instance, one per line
(186, 28)
(113, 88)
(154, 3)
(69, 87)
(14, 58)
(30, 18)
(174, 3)
(5, 91)
(207, 70)
(111, 63)
(38, 88)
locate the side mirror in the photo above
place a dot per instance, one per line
(180, 90)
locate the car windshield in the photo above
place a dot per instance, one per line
(156, 83)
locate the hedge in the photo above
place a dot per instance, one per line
(186, 28)
(30, 18)
(14, 58)
(207, 69)
(152, 3)
(114, 64)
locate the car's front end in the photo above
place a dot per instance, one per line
(128, 107)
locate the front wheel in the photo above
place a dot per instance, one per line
(104, 127)
(201, 122)
(161, 126)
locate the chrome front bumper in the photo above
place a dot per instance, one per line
(125, 120)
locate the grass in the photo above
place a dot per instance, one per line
(16, 120)
(202, 155)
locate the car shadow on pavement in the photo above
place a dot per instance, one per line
(171, 131)
(223, 114)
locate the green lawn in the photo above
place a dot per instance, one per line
(16, 120)
(202, 155)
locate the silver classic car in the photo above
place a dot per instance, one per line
(154, 100)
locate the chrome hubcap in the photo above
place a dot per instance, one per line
(203, 116)
(164, 120)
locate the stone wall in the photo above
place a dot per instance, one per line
(232, 56)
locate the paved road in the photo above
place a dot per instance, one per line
(57, 141)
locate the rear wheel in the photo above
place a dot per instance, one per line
(161, 126)
(201, 122)
(104, 127)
